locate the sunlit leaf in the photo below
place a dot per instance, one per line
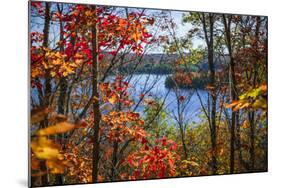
(61, 127)
(113, 98)
(245, 124)
(45, 149)
(234, 103)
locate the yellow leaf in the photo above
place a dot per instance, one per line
(85, 131)
(113, 98)
(53, 73)
(45, 149)
(61, 127)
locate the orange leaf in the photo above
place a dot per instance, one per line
(234, 103)
(136, 36)
(245, 124)
(35, 163)
(39, 114)
(245, 105)
(56, 129)
(263, 87)
(104, 86)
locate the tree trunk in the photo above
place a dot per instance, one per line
(96, 106)
(59, 179)
(114, 160)
(251, 115)
(210, 45)
(183, 141)
(234, 121)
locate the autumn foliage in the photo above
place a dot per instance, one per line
(92, 120)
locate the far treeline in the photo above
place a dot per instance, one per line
(163, 64)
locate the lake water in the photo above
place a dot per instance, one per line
(192, 107)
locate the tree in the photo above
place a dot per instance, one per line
(207, 22)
